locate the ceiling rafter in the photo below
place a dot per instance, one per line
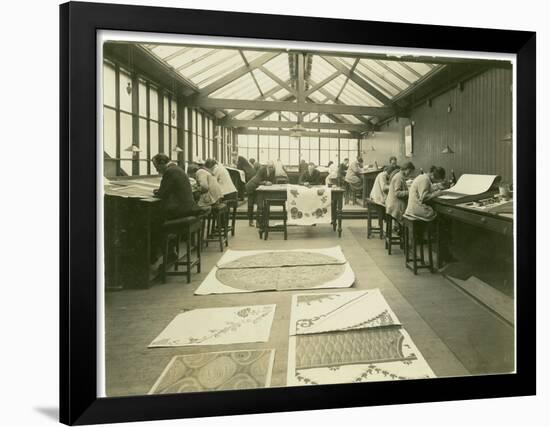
(251, 73)
(235, 74)
(393, 72)
(366, 86)
(351, 71)
(289, 124)
(194, 61)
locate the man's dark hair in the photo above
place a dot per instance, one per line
(252, 160)
(160, 159)
(408, 166)
(209, 163)
(393, 158)
(438, 172)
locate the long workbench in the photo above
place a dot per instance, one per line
(476, 236)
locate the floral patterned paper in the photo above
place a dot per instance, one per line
(308, 206)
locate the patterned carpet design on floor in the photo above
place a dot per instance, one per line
(349, 347)
(228, 370)
(254, 271)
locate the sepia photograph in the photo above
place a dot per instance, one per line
(279, 214)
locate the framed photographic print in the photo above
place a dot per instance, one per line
(243, 229)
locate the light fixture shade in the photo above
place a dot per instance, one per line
(447, 150)
(508, 137)
(372, 148)
(133, 149)
(177, 149)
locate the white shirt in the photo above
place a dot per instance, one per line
(224, 179)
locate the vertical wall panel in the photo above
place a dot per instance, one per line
(480, 119)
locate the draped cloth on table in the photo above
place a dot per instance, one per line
(308, 206)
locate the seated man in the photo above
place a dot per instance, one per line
(256, 165)
(229, 191)
(398, 193)
(176, 196)
(242, 164)
(311, 176)
(208, 184)
(353, 177)
(175, 189)
(381, 186)
(265, 176)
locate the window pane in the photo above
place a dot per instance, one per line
(109, 132)
(125, 97)
(126, 166)
(125, 135)
(153, 103)
(166, 109)
(285, 141)
(344, 143)
(199, 149)
(142, 99)
(263, 155)
(285, 157)
(333, 143)
(294, 157)
(154, 138)
(167, 147)
(243, 151)
(174, 142)
(143, 167)
(174, 112)
(324, 157)
(273, 154)
(109, 88)
(143, 138)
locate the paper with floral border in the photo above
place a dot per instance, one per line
(308, 206)
(339, 311)
(214, 326)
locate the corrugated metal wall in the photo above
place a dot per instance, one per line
(481, 117)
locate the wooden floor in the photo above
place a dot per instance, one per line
(456, 335)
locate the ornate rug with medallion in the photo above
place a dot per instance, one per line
(343, 337)
(278, 270)
(227, 370)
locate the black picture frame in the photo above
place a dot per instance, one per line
(79, 22)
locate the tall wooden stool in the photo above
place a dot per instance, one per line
(232, 204)
(268, 203)
(179, 229)
(414, 230)
(390, 238)
(216, 227)
(375, 211)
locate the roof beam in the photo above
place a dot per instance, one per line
(315, 87)
(280, 82)
(396, 74)
(305, 107)
(274, 132)
(366, 86)
(290, 124)
(239, 72)
(300, 79)
(337, 101)
(251, 73)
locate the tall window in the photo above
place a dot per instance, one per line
(131, 122)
